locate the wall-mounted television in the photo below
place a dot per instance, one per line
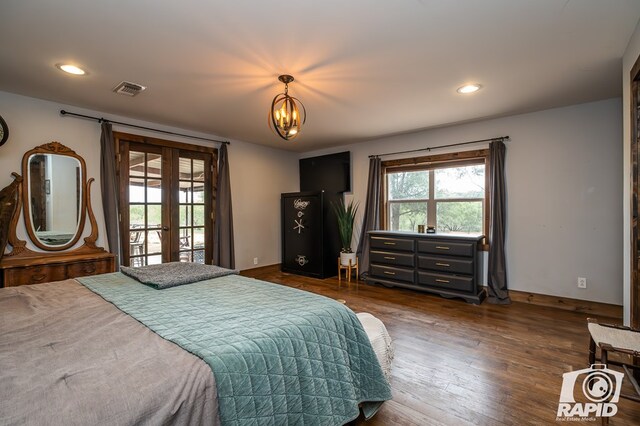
(327, 172)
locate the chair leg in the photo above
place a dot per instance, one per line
(592, 351)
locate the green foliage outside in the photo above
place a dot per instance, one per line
(458, 183)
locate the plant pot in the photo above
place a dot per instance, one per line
(346, 257)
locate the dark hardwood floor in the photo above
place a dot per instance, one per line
(459, 364)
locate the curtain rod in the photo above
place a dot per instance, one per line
(100, 120)
(501, 139)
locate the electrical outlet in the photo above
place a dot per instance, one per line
(582, 282)
(255, 260)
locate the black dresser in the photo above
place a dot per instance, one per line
(448, 265)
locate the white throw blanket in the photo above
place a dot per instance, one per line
(380, 341)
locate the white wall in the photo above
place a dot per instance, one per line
(258, 174)
(630, 56)
(564, 203)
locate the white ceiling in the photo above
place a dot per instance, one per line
(363, 68)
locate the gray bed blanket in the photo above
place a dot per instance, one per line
(173, 274)
(68, 357)
(279, 355)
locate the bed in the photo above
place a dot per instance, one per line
(229, 350)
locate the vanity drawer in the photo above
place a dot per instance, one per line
(445, 247)
(396, 259)
(445, 264)
(392, 243)
(34, 275)
(444, 281)
(390, 273)
(83, 269)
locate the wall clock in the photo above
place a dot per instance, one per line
(4, 131)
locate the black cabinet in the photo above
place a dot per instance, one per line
(310, 241)
(448, 265)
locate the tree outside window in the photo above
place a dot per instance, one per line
(449, 197)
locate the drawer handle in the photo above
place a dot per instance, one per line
(443, 248)
(438, 280)
(390, 258)
(89, 269)
(442, 264)
(389, 273)
(38, 277)
(389, 243)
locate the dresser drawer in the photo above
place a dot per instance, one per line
(445, 264)
(444, 281)
(389, 273)
(83, 269)
(395, 259)
(34, 275)
(394, 244)
(445, 247)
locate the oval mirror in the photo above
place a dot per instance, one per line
(53, 196)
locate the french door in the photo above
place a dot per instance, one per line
(166, 200)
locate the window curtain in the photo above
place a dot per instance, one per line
(497, 273)
(109, 190)
(223, 250)
(371, 218)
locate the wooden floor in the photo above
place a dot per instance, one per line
(459, 364)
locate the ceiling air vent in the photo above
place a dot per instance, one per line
(128, 88)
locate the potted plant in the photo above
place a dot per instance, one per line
(346, 215)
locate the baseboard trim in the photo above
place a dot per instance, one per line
(576, 305)
(261, 269)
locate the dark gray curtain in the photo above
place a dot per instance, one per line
(371, 219)
(109, 190)
(497, 274)
(223, 251)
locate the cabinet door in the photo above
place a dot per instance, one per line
(302, 233)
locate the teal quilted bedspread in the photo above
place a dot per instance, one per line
(279, 355)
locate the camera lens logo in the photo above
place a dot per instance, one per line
(598, 387)
(599, 384)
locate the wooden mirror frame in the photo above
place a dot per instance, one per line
(58, 149)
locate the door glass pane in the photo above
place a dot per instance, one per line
(154, 191)
(185, 256)
(185, 168)
(185, 238)
(198, 256)
(460, 182)
(408, 185)
(463, 217)
(198, 238)
(154, 166)
(154, 260)
(154, 243)
(185, 192)
(198, 170)
(185, 215)
(406, 216)
(136, 243)
(154, 215)
(198, 215)
(136, 216)
(136, 163)
(136, 190)
(198, 193)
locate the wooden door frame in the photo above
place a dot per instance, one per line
(169, 150)
(634, 192)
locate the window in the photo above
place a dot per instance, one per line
(448, 192)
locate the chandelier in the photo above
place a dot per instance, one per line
(285, 116)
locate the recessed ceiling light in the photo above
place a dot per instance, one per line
(469, 88)
(71, 69)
